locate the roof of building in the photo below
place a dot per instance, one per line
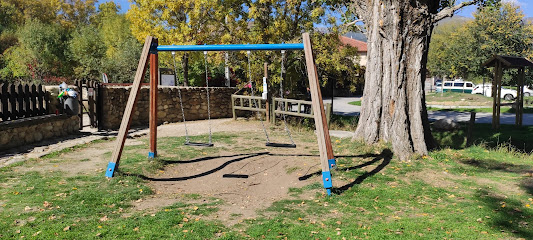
(509, 61)
(360, 45)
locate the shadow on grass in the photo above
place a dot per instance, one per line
(491, 164)
(514, 218)
(527, 183)
(318, 173)
(385, 157)
(517, 137)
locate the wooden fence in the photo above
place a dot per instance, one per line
(292, 107)
(22, 101)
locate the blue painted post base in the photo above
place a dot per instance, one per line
(151, 155)
(332, 163)
(110, 169)
(326, 178)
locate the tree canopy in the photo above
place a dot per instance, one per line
(458, 50)
(60, 40)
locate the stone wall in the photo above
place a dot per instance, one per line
(115, 99)
(30, 130)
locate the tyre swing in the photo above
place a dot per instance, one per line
(256, 105)
(187, 138)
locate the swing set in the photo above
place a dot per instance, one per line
(150, 53)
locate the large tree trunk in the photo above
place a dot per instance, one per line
(393, 104)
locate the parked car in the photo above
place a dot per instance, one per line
(507, 94)
(455, 86)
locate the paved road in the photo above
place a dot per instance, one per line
(341, 107)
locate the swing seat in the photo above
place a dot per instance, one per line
(195, 144)
(280, 145)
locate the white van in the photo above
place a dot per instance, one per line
(455, 86)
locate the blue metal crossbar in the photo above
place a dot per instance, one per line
(232, 47)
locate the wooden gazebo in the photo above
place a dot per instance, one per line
(501, 63)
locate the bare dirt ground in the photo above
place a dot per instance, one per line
(256, 179)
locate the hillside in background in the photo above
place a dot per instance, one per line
(455, 19)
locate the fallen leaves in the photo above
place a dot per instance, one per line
(104, 218)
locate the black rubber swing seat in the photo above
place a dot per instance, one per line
(280, 145)
(195, 144)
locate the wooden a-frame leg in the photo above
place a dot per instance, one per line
(126, 118)
(154, 81)
(327, 160)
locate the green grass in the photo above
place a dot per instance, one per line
(457, 192)
(356, 103)
(56, 154)
(459, 98)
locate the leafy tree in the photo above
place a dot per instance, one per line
(74, 13)
(443, 48)
(175, 22)
(122, 50)
(496, 30)
(39, 54)
(87, 51)
(229, 22)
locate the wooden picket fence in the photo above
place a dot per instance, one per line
(19, 101)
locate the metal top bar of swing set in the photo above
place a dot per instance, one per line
(231, 47)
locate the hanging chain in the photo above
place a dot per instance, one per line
(207, 91)
(255, 100)
(179, 96)
(281, 95)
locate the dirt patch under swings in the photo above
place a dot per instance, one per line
(246, 182)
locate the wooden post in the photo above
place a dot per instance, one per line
(79, 98)
(469, 137)
(273, 108)
(324, 142)
(267, 104)
(154, 80)
(126, 118)
(499, 94)
(495, 95)
(90, 95)
(233, 107)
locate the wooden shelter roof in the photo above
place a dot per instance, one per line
(508, 62)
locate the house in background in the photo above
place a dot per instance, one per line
(361, 48)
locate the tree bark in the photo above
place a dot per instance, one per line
(393, 105)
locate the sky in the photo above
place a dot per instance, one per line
(526, 5)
